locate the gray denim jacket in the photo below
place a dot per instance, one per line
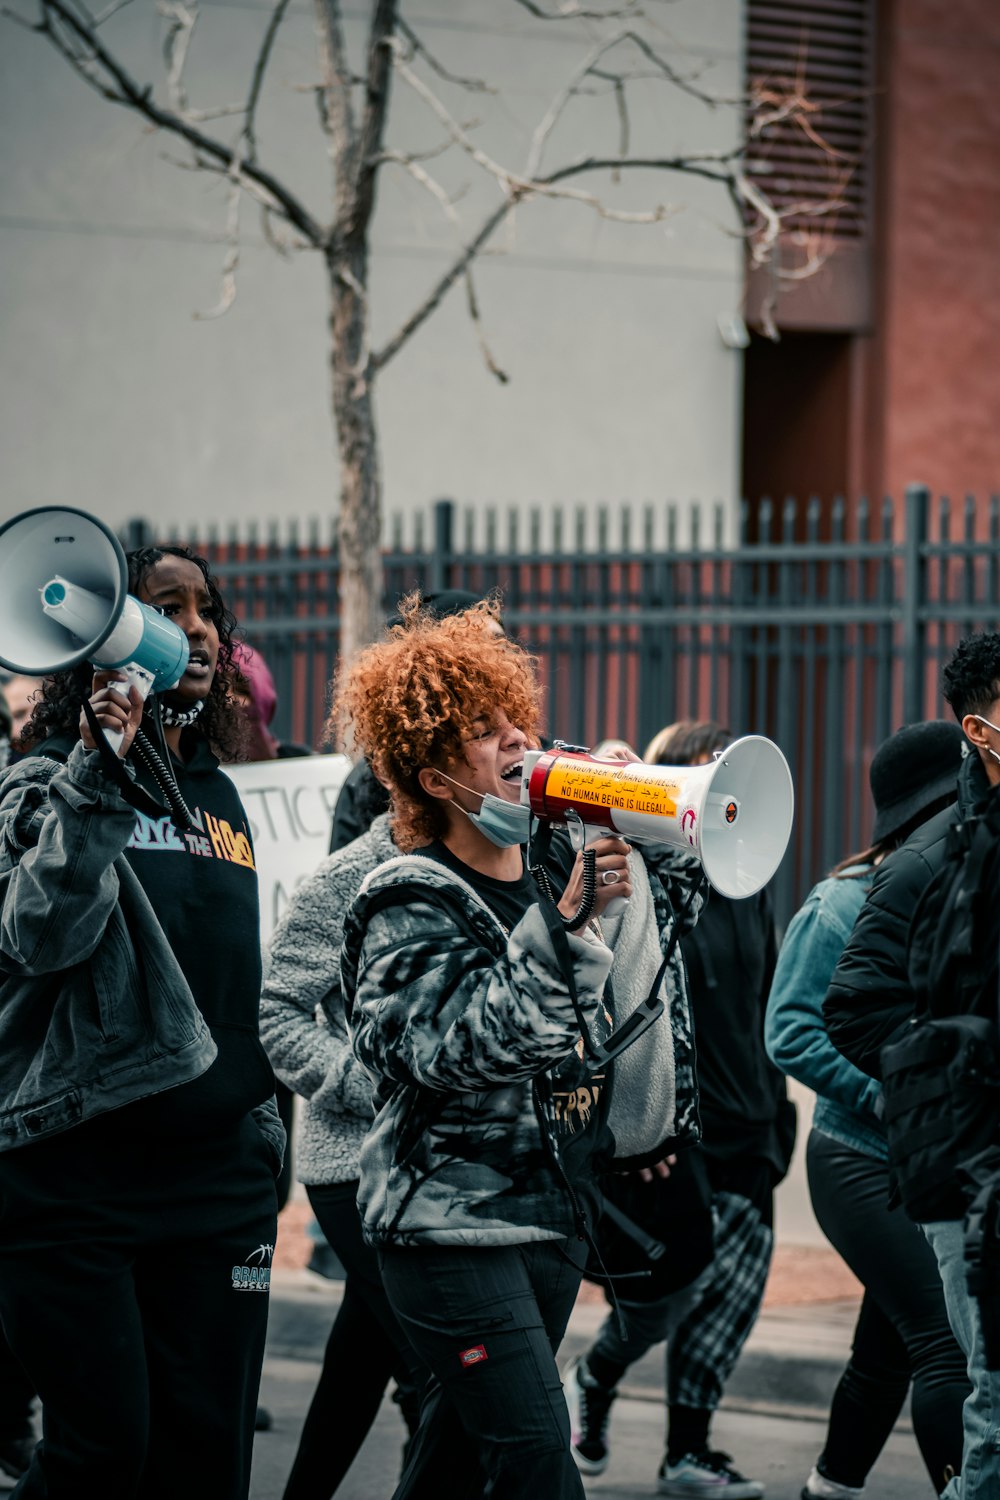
(94, 1009)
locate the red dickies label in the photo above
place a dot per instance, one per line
(473, 1356)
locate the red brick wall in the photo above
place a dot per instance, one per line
(931, 379)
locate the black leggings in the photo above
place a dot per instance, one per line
(902, 1333)
(366, 1346)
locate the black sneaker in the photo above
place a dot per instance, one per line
(706, 1475)
(15, 1455)
(589, 1410)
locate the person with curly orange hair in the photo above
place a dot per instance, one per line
(477, 1022)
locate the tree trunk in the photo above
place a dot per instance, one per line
(360, 522)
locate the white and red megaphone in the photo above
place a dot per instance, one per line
(735, 813)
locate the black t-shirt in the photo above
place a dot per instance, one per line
(508, 900)
(202, 885)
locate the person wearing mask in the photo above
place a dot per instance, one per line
(139, 1142)
(478, 1003)
(715, 1211)
(902, 1334)
(362, 798)
(870, 1004)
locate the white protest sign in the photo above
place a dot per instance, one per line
(290, 806)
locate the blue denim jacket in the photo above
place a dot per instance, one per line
(794, 1033)
(94, 1009)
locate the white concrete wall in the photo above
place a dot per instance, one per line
(116, 397)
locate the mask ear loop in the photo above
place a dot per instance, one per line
(994, 727)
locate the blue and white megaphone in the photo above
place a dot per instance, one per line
(64, 600)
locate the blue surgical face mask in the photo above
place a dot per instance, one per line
(503, 823)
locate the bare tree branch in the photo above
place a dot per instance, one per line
(474, 85)
(228, 294)
(248, 134)
(336, 94)
(570, 11)
(446, 204)
(709, 165)
(434, 299)
(679, 80)
(472, 303)
(411, 164)
(432, 152)
(19, 20)
(257, 81)
(181, 22)
(522, 184)
(559, 103)
(92, 61)
(109, 11)
(372, 130)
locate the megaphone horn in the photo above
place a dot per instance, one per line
(64, 600)
(734, 813)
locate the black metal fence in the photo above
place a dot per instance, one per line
(824, 628)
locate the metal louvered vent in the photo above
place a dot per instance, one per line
(820, 51)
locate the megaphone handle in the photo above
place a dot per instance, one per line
(580, 835)
(140, 679)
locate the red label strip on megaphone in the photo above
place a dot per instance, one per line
(735, 813)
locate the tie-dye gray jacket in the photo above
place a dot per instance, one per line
(485, 1111)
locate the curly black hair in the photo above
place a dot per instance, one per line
(222, 721)
(971, 680)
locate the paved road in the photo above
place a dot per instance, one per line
(777, 1449)
(773, 1422)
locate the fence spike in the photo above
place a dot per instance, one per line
(788, 513)
(837, 519)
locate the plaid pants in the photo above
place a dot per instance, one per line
(706, 1324)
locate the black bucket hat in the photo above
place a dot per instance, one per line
(913, 769)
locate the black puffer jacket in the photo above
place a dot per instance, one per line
(869, 1001)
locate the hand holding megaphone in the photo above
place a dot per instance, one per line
(613, 882)
(117, 706)
(64, 600)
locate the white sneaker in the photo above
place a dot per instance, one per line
(818, 1487)
(706, 1476)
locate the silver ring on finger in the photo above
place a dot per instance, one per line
(610, 877)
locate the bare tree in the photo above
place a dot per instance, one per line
(625, 49)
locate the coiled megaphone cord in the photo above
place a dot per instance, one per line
(161, 773)
(586, 906)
